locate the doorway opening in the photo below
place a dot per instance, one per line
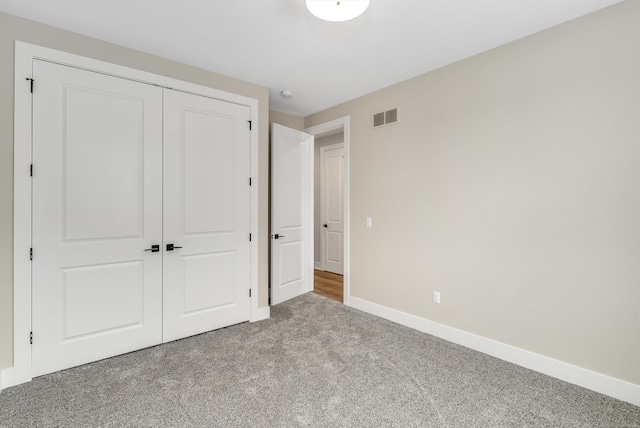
(292, 209)
(330, 208)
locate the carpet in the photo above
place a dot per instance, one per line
(315, 363)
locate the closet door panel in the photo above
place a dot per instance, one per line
(206, 214)
(97, 205)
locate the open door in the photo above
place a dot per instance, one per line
(291, 239)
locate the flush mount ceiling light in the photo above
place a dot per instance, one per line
(337, 10)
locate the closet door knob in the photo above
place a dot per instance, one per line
(154, 249)
(171, 247)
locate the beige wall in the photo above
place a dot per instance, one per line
(511, 184)
(12, 29)
(285, 119)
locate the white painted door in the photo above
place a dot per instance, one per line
(206, 213)
(332, 189)
(291, 241)
(97, 205)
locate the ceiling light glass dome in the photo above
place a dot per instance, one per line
(337, 10)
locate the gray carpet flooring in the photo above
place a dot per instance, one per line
(315, 363)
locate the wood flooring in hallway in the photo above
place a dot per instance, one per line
(328, 284)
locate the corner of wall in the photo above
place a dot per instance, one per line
(286, 119)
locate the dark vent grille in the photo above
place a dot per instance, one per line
(378, 119)
(391, 116)
(385, 118)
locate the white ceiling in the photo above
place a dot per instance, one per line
(280, 45)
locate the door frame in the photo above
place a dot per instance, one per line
(25, 53)
(323, 194)
(343, 123)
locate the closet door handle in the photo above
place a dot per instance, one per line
(154, 249)
(171, 247)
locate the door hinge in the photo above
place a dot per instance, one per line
(30, 253)
(247, 121)
(249, 181)
(31, 170)
(31, 81)
(31, 338)
(249, 292)
(249, 237)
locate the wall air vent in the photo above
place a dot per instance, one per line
(378, 119)
(385, 118)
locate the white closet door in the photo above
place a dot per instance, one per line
(97, 205)
(206, 214)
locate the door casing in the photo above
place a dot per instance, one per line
(25, 53)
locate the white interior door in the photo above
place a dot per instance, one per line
(97, 205)
(101, 187)
(291, 240)
(332, 189)
(206, 214)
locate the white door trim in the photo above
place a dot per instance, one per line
(323, 195)
(344, 124)
(25, 53)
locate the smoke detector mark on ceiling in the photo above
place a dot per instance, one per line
(384, 118)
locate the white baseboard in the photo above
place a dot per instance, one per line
(594, 381)
(6, 378)
(263, 314)
(317, 265)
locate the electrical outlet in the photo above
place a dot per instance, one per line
(436, 297)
